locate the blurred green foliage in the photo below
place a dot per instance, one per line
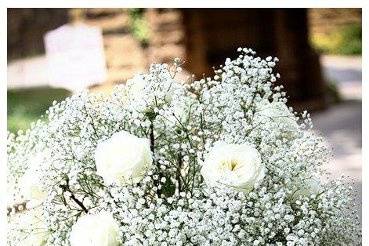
(332, 92)
(27, 105)
(343, 41)
(139, 26)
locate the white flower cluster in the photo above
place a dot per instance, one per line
(217, 161)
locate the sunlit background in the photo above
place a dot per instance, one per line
(53, 53)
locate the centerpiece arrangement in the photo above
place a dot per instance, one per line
(216, 161)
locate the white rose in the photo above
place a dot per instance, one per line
(33, 227)
(34, 239)
(234, 165)
(95, 230)
(307, 188)
(30, 182)
(123, 158)
(135, 86)
(279, 114)
(30, 186)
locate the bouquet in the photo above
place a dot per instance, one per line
(216, 161)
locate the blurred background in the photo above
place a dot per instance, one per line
(55, 52)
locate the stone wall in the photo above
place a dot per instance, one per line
(124, 54)
(205, 37)
(167, 35)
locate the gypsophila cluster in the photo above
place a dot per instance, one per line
(216, 161)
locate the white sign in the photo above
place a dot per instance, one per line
(75, 57)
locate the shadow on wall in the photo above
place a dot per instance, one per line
(344, 75)
(26, 28)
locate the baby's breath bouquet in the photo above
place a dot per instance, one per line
(216, 161)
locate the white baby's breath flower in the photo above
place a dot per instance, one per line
(235, 165)
(139, 85)
(30, 182)
(278, 113)
(135, 86)
(123, 158)
(95, 230)
(307, 188)
(171, 205)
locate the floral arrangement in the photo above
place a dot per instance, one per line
(216, 161)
